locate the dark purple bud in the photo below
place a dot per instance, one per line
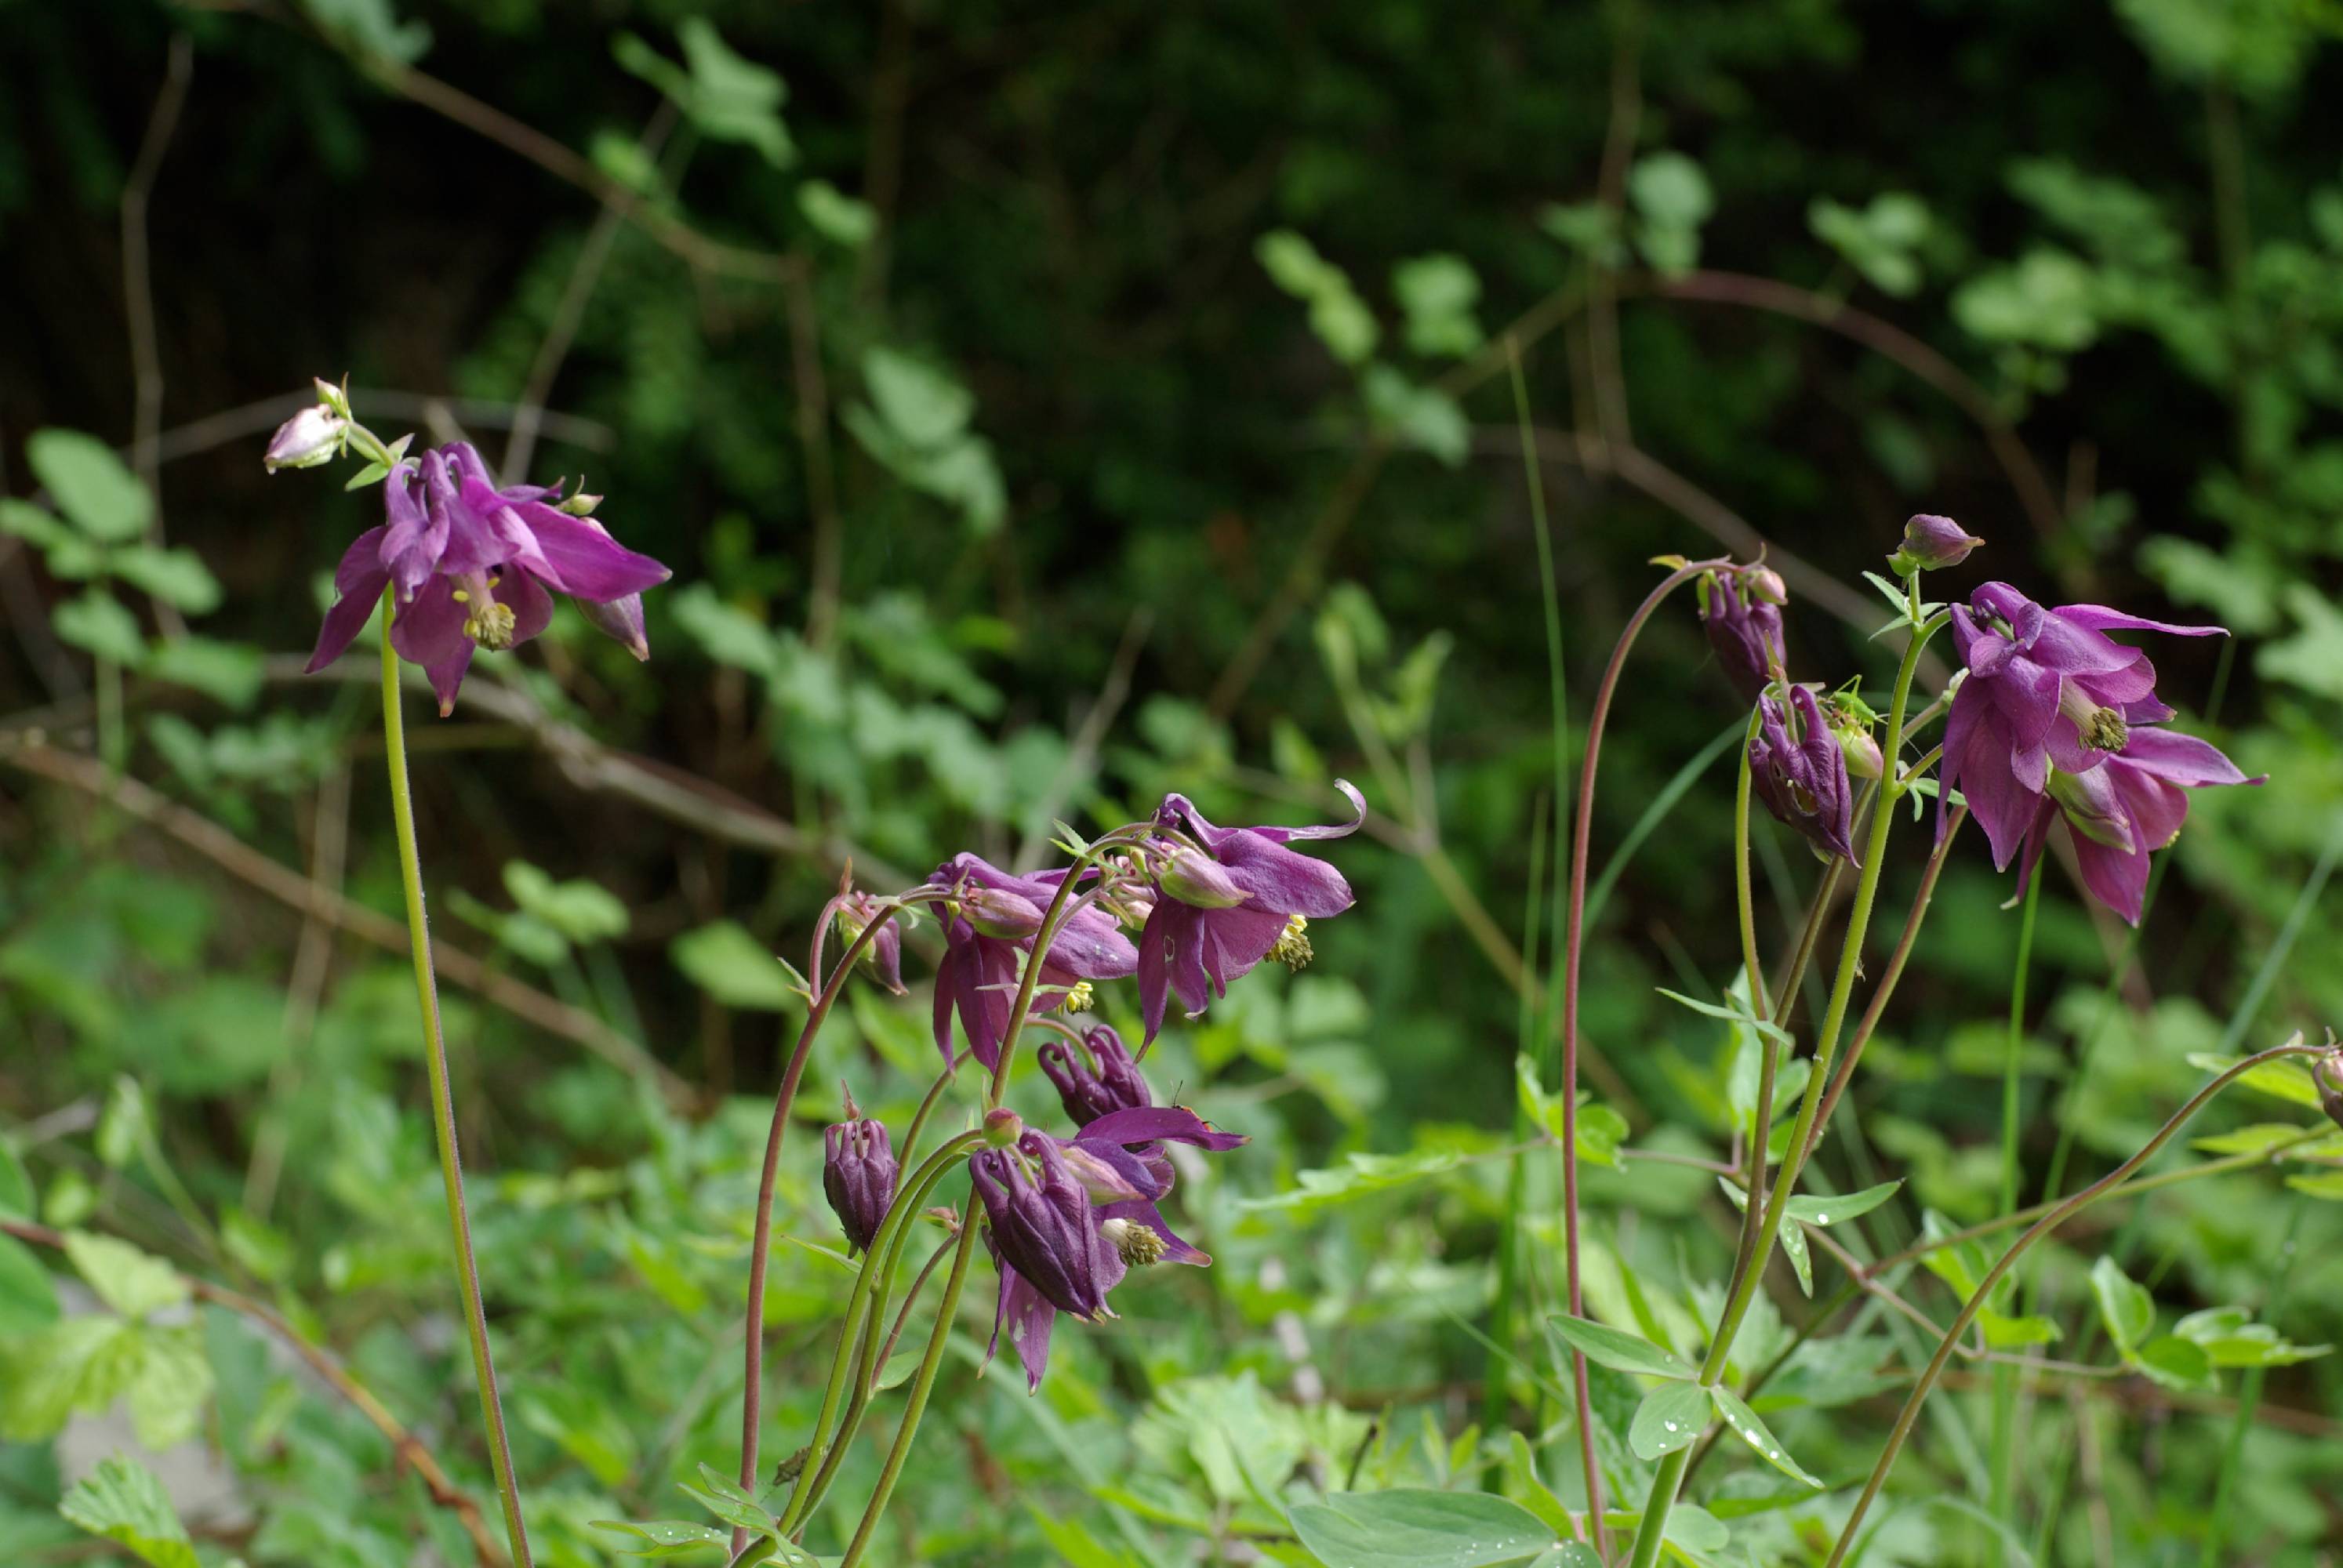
(1089, 1092)
(1043, 1226)
(1931, 544)
(997, 912)
(1198, 879)
(1802, 780)
(1745, 628)
(858, 1175)
(2327, 1073)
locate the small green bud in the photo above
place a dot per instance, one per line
(1002, 1128)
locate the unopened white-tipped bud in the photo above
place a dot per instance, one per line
(311, 438)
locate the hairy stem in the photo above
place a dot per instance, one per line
(2050, 1222)
(443, 1101)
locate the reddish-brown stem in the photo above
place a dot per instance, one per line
(760, 1241)
(1574, 942)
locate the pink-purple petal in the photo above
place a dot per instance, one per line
(583, 561)
(1158, 1123)
(1282, 881)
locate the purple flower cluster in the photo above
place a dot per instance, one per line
(470, 564)
(1067, 1219)
(2054, 719)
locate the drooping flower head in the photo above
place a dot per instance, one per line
(470, 565)
(1230, 898)
(856, 910)
(1068, 1218)
(859, 1172)
(1803, 776)
(2044, 688)
(994, 916)
(1740, 611)
(2122, 811)
(1109, 1080)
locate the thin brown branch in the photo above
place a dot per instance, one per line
(1082, 751)
(562, 330)
(1885, 338)
(707, 254)
(289, 887)
(404, 1444)
(139, 297)
(812, 420)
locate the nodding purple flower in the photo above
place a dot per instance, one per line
(1245, 898)
(470, 564)
(1740, 611)
(856, 910)
(1068, 1217)
(2122, 811)
(858, 1174)
(985, 933)
(1931, 543)
(1109, 1081)
(1803, 779)
(2045, 688)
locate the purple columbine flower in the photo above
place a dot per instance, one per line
(2122, 811)
(1740, 611)
(1214, 919)
(2045, 687)
(1803, 781)
(1088, 1091)
(470, 564)
(1068, 1217)
(998, 916)
(858, 1174)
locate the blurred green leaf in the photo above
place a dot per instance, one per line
(1671, 1417)
(1410, 1528)
(728, 99)
(728, 963)
(92, 486)
(121, 1501)
(98, 625)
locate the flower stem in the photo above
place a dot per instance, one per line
(865, 1306)
(1769, 1048)
(2058, 1216)
(443, 1102)
(761, 1240)
(1574, 943)
(921, 1386)
(2003, 1474)
(1670, 1475)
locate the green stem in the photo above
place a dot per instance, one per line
(2005, 1377)
(2050, 1222)
(443, 1103)
(1768, 1048)
(859, 1326)
(921, 1386)
(1662, 1499)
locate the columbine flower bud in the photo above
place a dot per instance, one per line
(1002, 1128)
(884, 954)
(1088, 1093)
(1931, 544)
(309, 439)
(1745, 628)
(995, 912)
(1198, 879)
(858, 1175)
(1765, 586)
(2327, 1073)
(579, 505)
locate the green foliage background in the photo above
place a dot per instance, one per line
(1091, 403)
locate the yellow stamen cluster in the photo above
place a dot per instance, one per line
(490, 625)
(1293, 949)
(1138, 1245)
(1080, 997)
